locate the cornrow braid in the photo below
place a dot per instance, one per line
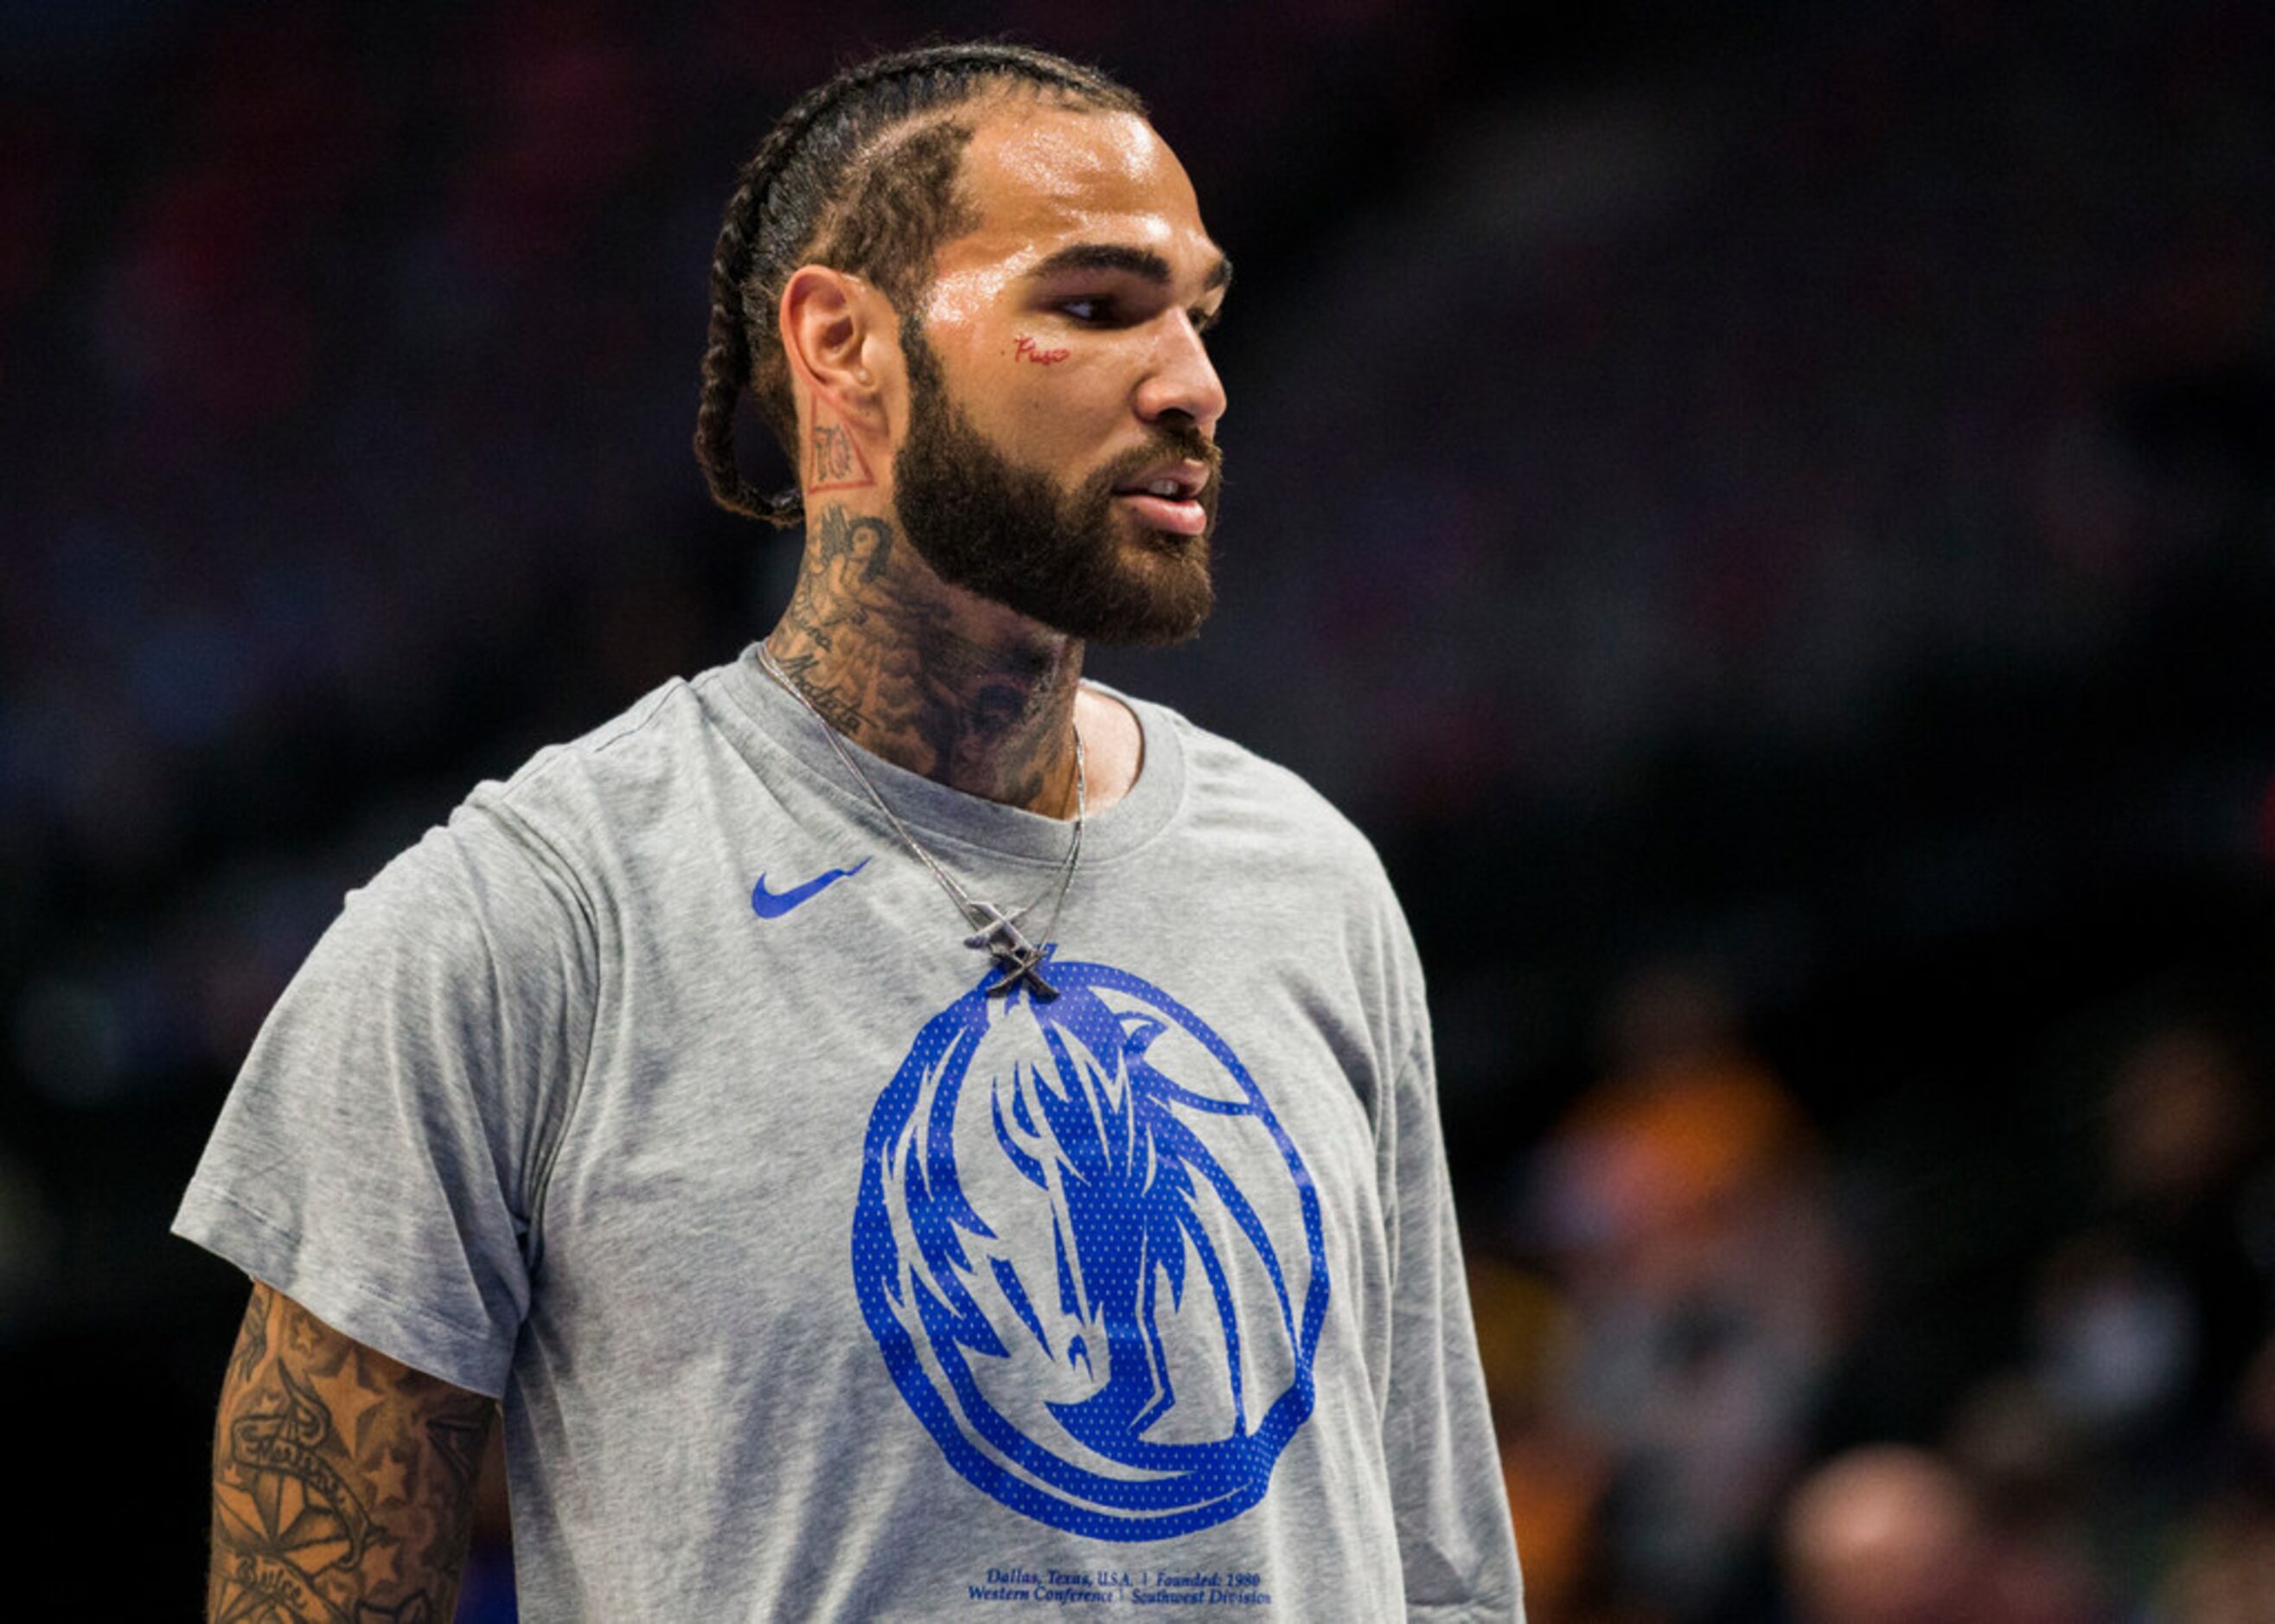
(857, 176)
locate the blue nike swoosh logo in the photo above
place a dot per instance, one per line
(772, 904)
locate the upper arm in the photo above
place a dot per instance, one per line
(381, 1153)
(340, 1477)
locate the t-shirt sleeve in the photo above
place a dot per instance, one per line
(381, 1155)
(1456, 1544)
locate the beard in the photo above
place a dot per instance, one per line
(1069, 559)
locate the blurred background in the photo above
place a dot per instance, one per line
(1766, 514)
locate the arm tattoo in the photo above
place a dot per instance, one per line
(343, 1481)
(252, 1337)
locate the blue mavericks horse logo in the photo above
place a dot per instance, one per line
(1098, 1324)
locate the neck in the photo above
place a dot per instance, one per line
(927, 675)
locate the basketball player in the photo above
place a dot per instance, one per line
(895, 1130)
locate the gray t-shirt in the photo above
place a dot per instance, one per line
(658, 1094)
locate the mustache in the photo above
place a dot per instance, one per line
(1168, 442)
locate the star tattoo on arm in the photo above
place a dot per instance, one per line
(343, 1481)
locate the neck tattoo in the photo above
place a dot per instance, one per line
(993, 931)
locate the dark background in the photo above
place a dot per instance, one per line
(1763, 513)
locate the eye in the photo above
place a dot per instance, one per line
(1205, 320)
(1093, 310)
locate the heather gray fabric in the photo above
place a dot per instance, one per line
(819, 1283)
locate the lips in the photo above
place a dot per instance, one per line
(1167, 496)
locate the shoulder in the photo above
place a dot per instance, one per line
(1304, 873)
(1230, 787)
(1266, 833)
(637, 757)
(639, 781)
(537, 845)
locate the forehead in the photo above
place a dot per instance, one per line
(1041, 177)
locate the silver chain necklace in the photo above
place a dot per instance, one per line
(995, 932)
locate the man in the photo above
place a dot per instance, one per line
(904, 1132)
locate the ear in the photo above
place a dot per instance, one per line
(835, 331)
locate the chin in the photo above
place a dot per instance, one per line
(1150, 552)
(1164, 592)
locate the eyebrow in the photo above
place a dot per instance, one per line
(1141, 262)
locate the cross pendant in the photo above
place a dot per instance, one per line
(1019, 959)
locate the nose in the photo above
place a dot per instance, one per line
(1183, 379)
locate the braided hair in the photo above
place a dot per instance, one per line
(857, 176)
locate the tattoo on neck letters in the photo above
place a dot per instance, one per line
(871, 642)
(834, 460)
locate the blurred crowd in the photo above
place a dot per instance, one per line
(1737, 404)
(1696, 1310)
(1787, 496)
